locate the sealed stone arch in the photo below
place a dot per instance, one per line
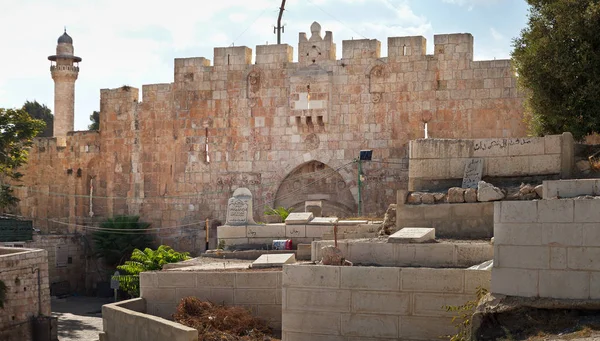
(315, 180)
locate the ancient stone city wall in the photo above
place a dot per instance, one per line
(286, 130)
(25, 296)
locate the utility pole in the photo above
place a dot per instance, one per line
(280, 28)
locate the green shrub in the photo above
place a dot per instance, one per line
(126, 234)
(464, 314)
(280, 211)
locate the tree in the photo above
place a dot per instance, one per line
(147, 260)
(17, 130)
(557, 59)
(95, 118)
(118, 238)
(41, 112)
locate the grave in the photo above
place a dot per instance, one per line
(299, 218)
(273, 260)
(413, 235)
(473, 173)
(324, 221)
(239, 208)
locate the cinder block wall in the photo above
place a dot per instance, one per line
(547, 248)
(258, 291)
(465, 220)
(19, 271)
(440, 163)
(433, 255)
(358, 303)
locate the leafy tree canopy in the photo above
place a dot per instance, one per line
(119, 237)
(557, 58)
(41, 112)
(17, 130)
(95, 118)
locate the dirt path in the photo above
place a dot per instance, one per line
(79, 318)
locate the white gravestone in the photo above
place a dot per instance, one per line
(239, 208)
(413, 235)
(473, 173)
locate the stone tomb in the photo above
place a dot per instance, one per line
(299, 218)
(239, 208)
(274, 260)
(413, 235)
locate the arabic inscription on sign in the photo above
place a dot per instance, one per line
(473, 173)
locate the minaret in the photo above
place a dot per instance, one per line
(64, 74)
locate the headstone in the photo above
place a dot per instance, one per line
(323, 221)
(299, 218)
(473, 173)
(273, 260)
(314, 206)
(239, 208)
(413, 235)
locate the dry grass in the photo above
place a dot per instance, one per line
(221, 323)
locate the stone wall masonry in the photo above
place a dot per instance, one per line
(127, 320)
(439, 163)
(259, 291)
(434, 255)
(571, 188)
(27, 295)
(373, 303)
(265, 234)
(547, 248)
(149, 158)
(464, 221)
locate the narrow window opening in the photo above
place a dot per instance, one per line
(206, 151)
(309, 120)
(227, 59)
(298, 120)
(404, 50)
(308, 95)
(320, 120)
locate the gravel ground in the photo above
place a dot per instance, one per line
(79, 318)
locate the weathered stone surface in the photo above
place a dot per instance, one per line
(526, 189)
(239, 208)
(428, 198)
(471, 195)
(413, 235)
(488, 192)
(298, 218)
(389, 221)
(274, 260)
(456, 195)
(415, 198)
(323, 221)
(584, 166)
(331, 255)
(439, 197)
(539, 190)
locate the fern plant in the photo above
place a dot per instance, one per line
(280, 211)
(464, 314)
(147, 260)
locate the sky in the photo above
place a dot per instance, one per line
(134, 42)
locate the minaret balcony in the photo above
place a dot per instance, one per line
(64, 68)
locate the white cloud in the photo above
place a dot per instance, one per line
(496, 35)
(470, 4)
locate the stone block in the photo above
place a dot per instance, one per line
(295, 231)
(171, 279)
(275, 231)
(468, 209)
(434, 255)
(432, 304)
(583, 258)
(222, 296)
(522, 257)
(564, 284)
(545, 164)
(273, 260)
(256, 280)
(376, 326)
(518, 234)
(200, 293)
(432, 280)
(412, 235)
(227, 232)
(303, 252)
(148, 279)
(299, 218)
(317, 231)
(215, 279)
(370, 278)
(555, 211)
(471, 254)
(562, 234)
(515, 282)
(323, 221)
(518, 212)
(594, 285)
(591, 234)
(570, 188)
(254, 296)
(318, 300)
(456, 195)
(477, 279)
(425, 328)
(502, 166)
(558, 258)
(311, 276)
(587, 210)
(471, 195)
(319, 322)
(377, 302)
(371, 253)
(552, 144)
(158, 295)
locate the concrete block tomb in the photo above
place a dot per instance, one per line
(409, 235)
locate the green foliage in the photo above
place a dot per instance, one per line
(126, 234)
(280, 211)
(95, 118)
(3, 290)
(147, 260)
(464, 313)
(558, 65)
(41, 112)
(221, 245)
(17, 130)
